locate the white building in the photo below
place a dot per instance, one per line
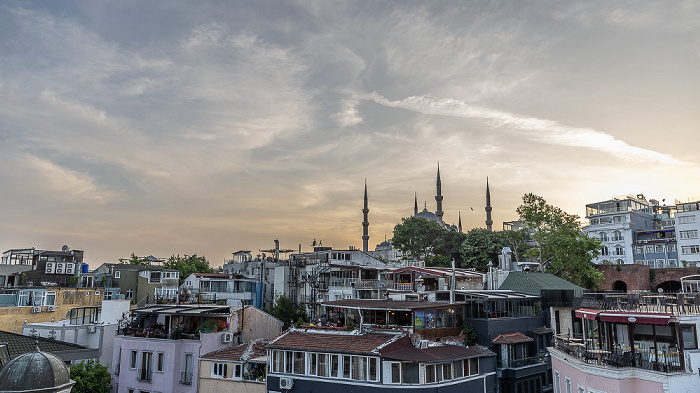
(687, 226)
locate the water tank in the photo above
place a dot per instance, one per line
(85, 268)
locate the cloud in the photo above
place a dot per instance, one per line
(349, 116)
(542, 130)
(65, 184)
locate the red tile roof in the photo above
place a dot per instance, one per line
(512, 338)
(404, 351)
(250, 350)
(332, 341)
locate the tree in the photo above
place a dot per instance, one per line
(90, 377)
(562, 249)
(414, 237)
(134, 260)
(446, 247)
(480, 247)
(285, 310)
(517, 241)
(187, 265)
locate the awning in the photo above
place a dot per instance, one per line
(587, 314)
(639, 318)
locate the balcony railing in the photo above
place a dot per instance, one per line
(186, 378)
(668, 360)
(404, 286)
(674, 303)
(519, 363)
(144, 375)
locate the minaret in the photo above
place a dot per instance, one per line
(415, 204)
(365, 224)
(459, 223)
(438, 198)
(489, 222)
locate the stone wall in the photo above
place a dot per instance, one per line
(641, 277)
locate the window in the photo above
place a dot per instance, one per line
(237, 370)
(299, 363)
(372, 368)
(639, 250)
(50, 299)
(129, 294)
(218, 370)
(617, 236)
(109, 295)
(557, 386)
(685, 219)
(691, 234)
(672, 263)
(695, 249)
(649, 249)
(346, 366)
(689, 337)
(146, 366)
(395, 372)
(429, 373)
(323, 364)
(160, 362)
(568, 385)
(133, 358)
(604, 250)
(650, 262)
(335, 366)
(581, 389)
(117, 274)
(659, 248)
(473, 366)
(671, 248)
(603, 237)
(154, 278)
(619, 250)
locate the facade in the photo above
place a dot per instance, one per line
(636, 342)
(32, 267)
(141, 283)
(687, 220)
(158, 347)
(235, 290)
(323, 361)
(92, 327)
(242, 368)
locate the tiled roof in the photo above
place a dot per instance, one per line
(542, 330)
(342, 342)
(403, 350)
(240, 353)
(533, 283)
(18, 344)
(512, 338)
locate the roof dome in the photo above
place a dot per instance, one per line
(33, 371)
(427, 215)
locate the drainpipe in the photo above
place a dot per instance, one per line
(452, 283)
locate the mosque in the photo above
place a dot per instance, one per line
(425, 213)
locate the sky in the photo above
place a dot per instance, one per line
(178, 127)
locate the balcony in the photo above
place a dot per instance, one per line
(665, 360)
(404, 286)
(524, 367)
(186, 378)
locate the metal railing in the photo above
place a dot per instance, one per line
(664, 361)
(673, 303)
(186, 378)
(518, 363)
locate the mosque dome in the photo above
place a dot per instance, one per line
(35, 371)
(427, 215)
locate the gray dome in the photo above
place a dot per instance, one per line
(33, 371)
(427, 215)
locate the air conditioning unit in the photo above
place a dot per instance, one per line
(51, 308)
(286, 383)
(227, 337)
(87, 293)
(97, 293)
(36, 309)
(92, 329)
(423, 344)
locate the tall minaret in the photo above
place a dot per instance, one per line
(365, 224)
(415, 204)
(438, 198)
(489, 222)
(459, 223)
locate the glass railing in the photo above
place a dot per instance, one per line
(518, 363)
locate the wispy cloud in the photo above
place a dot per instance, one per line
(542, 130)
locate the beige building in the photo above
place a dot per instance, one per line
(240, 369)
(32, 305)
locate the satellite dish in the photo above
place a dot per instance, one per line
(65, 248)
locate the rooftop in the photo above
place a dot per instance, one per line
(342, 342)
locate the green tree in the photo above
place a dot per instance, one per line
(517, 241)
(187, 265)
(134, 260)
(415, 236)
(285, 310)
(561, 247)
(90, 377)
(446, 247)
(480, 247)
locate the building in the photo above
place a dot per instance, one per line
(18, 344)
(32, 267)
(242, 368)
(234, 289)
(92, 327)
(324, 361)
(631, 342)
(143, 284)
(36, 371)
(158, 346)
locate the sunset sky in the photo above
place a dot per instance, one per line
(182, 127)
